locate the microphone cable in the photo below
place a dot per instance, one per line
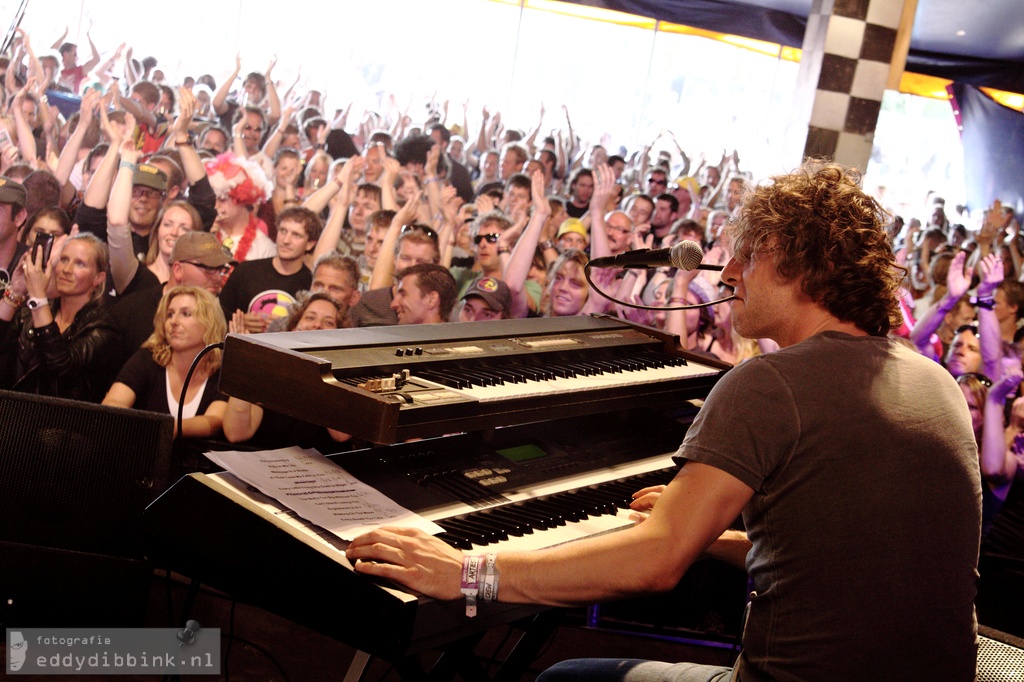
(586, 273)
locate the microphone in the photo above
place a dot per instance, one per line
(685, 255)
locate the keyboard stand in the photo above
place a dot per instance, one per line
(460, 659)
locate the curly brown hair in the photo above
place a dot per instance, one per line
(825, 231)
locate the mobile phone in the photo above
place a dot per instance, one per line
(5, 139)
(45, 242)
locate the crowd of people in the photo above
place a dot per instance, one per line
(141, 220)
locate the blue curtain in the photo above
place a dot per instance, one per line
(993, 139)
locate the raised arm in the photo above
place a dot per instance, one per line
(123, 263)
(998, 462)
(604, 187)
(60, 41)
(95, 59)
(989, 334)
(957, 283)
(273, 142)
(482, 143)
(451, 202)
(131, 74)
(103, 70)
(331, 233)
(570, 148)
(35, 69)
(26, 140)
(384, 270)
(431, 182)
(237, 143)
(69, 155)
(10, 82)
(320, 199)
(191, 163)
(98, 191)
(517, 267)
(220, 98)
(273, 101)
(675, 320)
(388, 195)
(141, 113)
(532, 139)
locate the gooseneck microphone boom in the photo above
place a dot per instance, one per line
(685, 255)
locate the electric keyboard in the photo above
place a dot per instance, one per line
(526, 487)
(388, 384)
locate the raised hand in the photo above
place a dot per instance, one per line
(958, 281)
(90, 100)
(1008, 382)
(186, 109)
(991, 270)
(407, 214)
(540, 201)
(604, 186)
(37, 274)
(433, 156)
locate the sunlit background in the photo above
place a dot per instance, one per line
(623, 78)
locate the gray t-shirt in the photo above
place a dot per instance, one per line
(866, 515)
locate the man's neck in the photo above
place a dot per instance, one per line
(142, 230)
(234, 229)
(287, 267)
(815, 322)
(1008, 327)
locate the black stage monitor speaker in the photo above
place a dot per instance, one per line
(74, 480)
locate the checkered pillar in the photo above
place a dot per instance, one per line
(847, 51)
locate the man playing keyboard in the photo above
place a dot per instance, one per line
(850, 457)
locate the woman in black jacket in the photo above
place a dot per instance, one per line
(66, 346)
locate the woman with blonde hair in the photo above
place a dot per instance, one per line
(187, 320)
(67, 345)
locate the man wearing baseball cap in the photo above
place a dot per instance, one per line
(149, 188)
(12, 215)
(572, 234)
(197, 259)
(488, 298)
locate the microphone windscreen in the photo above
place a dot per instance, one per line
(686, 255)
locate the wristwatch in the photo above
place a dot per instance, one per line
(35, 302)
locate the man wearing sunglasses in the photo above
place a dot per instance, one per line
(197, 259)
(657, 182)
(486, 233)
